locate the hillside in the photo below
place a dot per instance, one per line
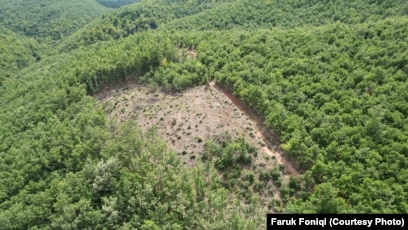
(269, 14)
(201, 114)
(142, 16)
(224, 15)
(64, 165)
(48, 21)
(336, 95)
(17, 52)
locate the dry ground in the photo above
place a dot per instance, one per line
(188, 119)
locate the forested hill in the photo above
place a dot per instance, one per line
(142, 16)
(329, 78)
(289, 14)
(63, 165)
(337, 96)
(48, 21)
(223, 15)
(17, 52)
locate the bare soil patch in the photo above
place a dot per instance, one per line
(188, 119)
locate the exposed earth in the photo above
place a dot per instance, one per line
(188, 119)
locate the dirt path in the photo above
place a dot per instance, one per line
(267, 136)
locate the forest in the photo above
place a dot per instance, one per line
(116, 3)
(329, 78)
(17, 52)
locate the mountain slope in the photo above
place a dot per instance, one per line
(336, 94)
(49, 20)
(63, 165)
(185, 15)
(17, 52)
(328, 77)
(141, 16)
(247, 14)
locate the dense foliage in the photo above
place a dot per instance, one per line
(48, 21)
(63, 166)
(142, 16)
(329, 77)
(16, 53)
(250, 15)
(337, 95)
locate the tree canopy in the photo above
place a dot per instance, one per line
(328, 77)
(48, 21)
